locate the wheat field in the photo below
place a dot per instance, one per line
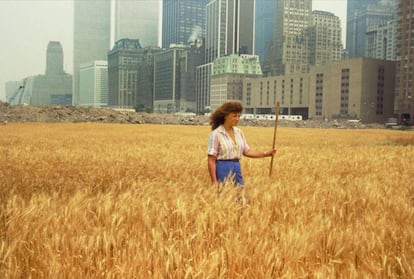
(135, 201)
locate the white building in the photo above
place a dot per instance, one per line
(93, 84)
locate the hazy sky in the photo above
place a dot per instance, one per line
(27, 26)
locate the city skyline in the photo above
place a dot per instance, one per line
(25, 37)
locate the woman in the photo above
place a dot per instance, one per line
(227, 144)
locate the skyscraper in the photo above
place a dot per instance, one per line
(230, 28)
(91, 35)
(54, 59)
(137, 20)
(183, 21)
(363, 16)
(404, 104)
(289, 51)
(264, 24)
(324, 43)
(93, 80)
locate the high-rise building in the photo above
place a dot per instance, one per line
(137, 20)
(264, 24)
(131, 75)
(404, 104)
(91, 36)
(230, 28)
(174, 78)
(54, 59)
(183, 21)
(289, 50)
(382, 41)
(363, 16)
(324, 38)
(93, 84)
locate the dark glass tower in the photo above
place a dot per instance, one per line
(183, 21)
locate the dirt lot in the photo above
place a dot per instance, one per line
(42, 113)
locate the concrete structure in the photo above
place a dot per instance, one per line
(363, 16)
(292, 91)
(174, 78)
(325, 44)
(183, 21)
(93, 84)
(352, 89)
(264, 23)
(91, 36)
(289, 51)
(130, 75)
(227, 77)
(230, 28)
(404, 105)
(359, 88)
(138, 20)
(382, 41)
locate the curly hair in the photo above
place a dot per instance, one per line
(218, 116)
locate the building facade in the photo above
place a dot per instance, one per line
(183, 21)
(91, 36)
(54, 59)
(175, 78)
(228, 73)
(230, 28)
(324, 43)
(382, 41)
(363, 16)
(404, 105)
(137, 20)
(264, 23)
(93, 81)
(123, 64)
(289, 52)
(361, 88)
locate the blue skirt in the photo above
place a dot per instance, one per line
(229, 169)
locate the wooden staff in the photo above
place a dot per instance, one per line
(274, 137)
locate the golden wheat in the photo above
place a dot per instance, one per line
(134, 201)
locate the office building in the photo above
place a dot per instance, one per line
(137, 20)
(289, 52)
(363, 16)
(382, 41)
(230, 28)
(324, 38)
(264, 24)
(54, 59)
(404, 105)
(93, 84)
(130, 75)
(174, 78)
(228, 73)
(91, 36)
(360, 88)
(183, 21)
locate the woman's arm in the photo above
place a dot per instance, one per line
(211, 160)
(259, 154)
